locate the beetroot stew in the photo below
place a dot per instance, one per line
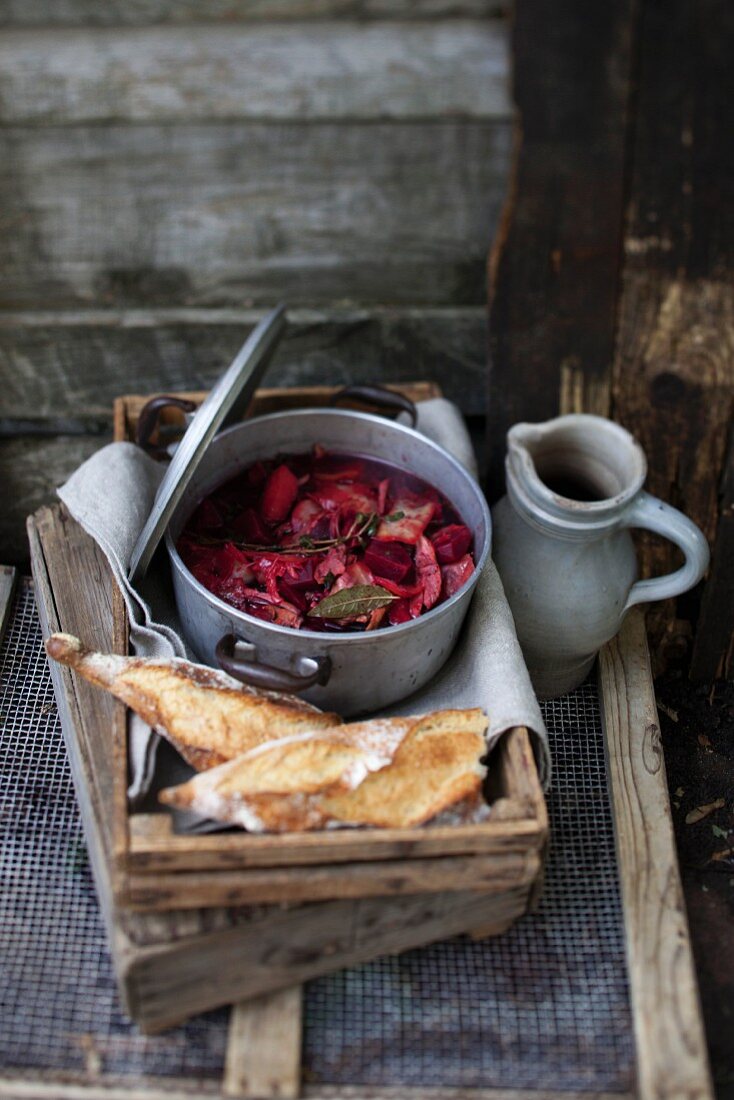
(328, 541)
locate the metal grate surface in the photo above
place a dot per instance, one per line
(544, 1006)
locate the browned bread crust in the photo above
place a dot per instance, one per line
(205, 714)
(330, 779)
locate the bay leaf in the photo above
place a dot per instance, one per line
(349, 603)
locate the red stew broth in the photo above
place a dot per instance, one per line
(283, 535)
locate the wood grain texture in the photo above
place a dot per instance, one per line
(287, 71)
(555, 264)
(671, 1049)
(713, 650)
(8, 581)
(66, 369)
(46, 1086)
(154, 847)
(674, 365)
(242, 213)
(280, 947)
(490, 875)
(31, 468)
(264, 1046)
(114, 13)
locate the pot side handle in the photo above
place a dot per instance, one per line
(654, 515)
(379, 396)
(316, 670)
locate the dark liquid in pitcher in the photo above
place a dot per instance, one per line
(573, 488)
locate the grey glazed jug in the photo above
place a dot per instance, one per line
(563, 547)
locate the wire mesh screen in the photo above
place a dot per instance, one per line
(544, 1006)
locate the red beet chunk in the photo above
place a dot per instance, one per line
(336, 467)
(456, 575)
(249, 527)
(428, 572)
(207, 517)
(399, 612)
(281, 490)
(451, 543)
(388, 559)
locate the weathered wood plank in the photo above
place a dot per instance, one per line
(674, 366)
(69, 367)
(671, 1049)
(245, 213)
(114, 13)
(8, 581)
(30, 470)
(492, 875)
(46, 1086)
(713, 651)
(155, 847)
(554, 268)
(264, 1046)
(280, 947)
(291, 71)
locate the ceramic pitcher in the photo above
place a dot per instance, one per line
(562, 543)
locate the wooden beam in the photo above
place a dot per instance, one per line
(263, 1056)
(713, 651)
(264, 71)
(8, 579)
(121, 13)
(672, 1062)
(674, 366)
(231, 212)
(553, 271)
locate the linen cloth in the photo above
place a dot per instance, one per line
(111, 496)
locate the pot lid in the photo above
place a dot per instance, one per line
(225, 404)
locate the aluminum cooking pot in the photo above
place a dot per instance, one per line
(351, 673)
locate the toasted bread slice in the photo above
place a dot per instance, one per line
(436, 765)
(269, 787)
(205, 714)
(332, 778)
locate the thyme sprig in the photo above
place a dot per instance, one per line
(363, 525)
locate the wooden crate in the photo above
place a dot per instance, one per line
(159, 870)
(184, 938)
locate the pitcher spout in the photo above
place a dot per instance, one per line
(579, 471)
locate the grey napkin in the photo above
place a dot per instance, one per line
(111, 496)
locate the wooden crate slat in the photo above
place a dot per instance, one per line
(264, 1046)
(671, 1047)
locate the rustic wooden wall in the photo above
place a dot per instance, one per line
(612, 288)
(162, 179)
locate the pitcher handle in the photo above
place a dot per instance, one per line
(654, 515)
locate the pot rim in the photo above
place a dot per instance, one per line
(361, 637)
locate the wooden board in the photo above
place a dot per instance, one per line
(61, 371)
(289, 71)
(555, 260)
(226, 213)
(8, 581)
(116, 13)
(674, 363)
(264, 1046)
(671, 1047)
